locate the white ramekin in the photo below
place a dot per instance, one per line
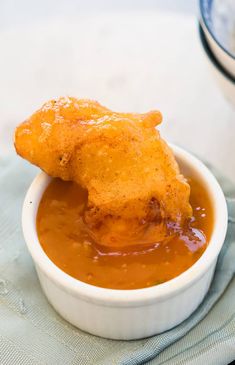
(127, 314)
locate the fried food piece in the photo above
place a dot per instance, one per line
(132, 178)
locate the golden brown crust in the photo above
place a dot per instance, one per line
(130, 173)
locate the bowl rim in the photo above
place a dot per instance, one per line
(133, 297)
(204, 18)
(211, 56)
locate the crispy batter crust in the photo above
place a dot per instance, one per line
(133, 181)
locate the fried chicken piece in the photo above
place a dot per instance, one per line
(133, 180)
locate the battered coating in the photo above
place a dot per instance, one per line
(135, 189)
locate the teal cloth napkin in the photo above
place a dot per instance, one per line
(32, 333)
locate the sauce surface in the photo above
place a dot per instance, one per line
(64, 238)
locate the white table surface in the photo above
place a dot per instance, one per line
(129, 60)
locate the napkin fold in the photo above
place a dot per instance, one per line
(32, 333)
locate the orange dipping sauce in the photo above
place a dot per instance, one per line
(64, 238)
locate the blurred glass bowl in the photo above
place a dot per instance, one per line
(223, 78)
(218, 22)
